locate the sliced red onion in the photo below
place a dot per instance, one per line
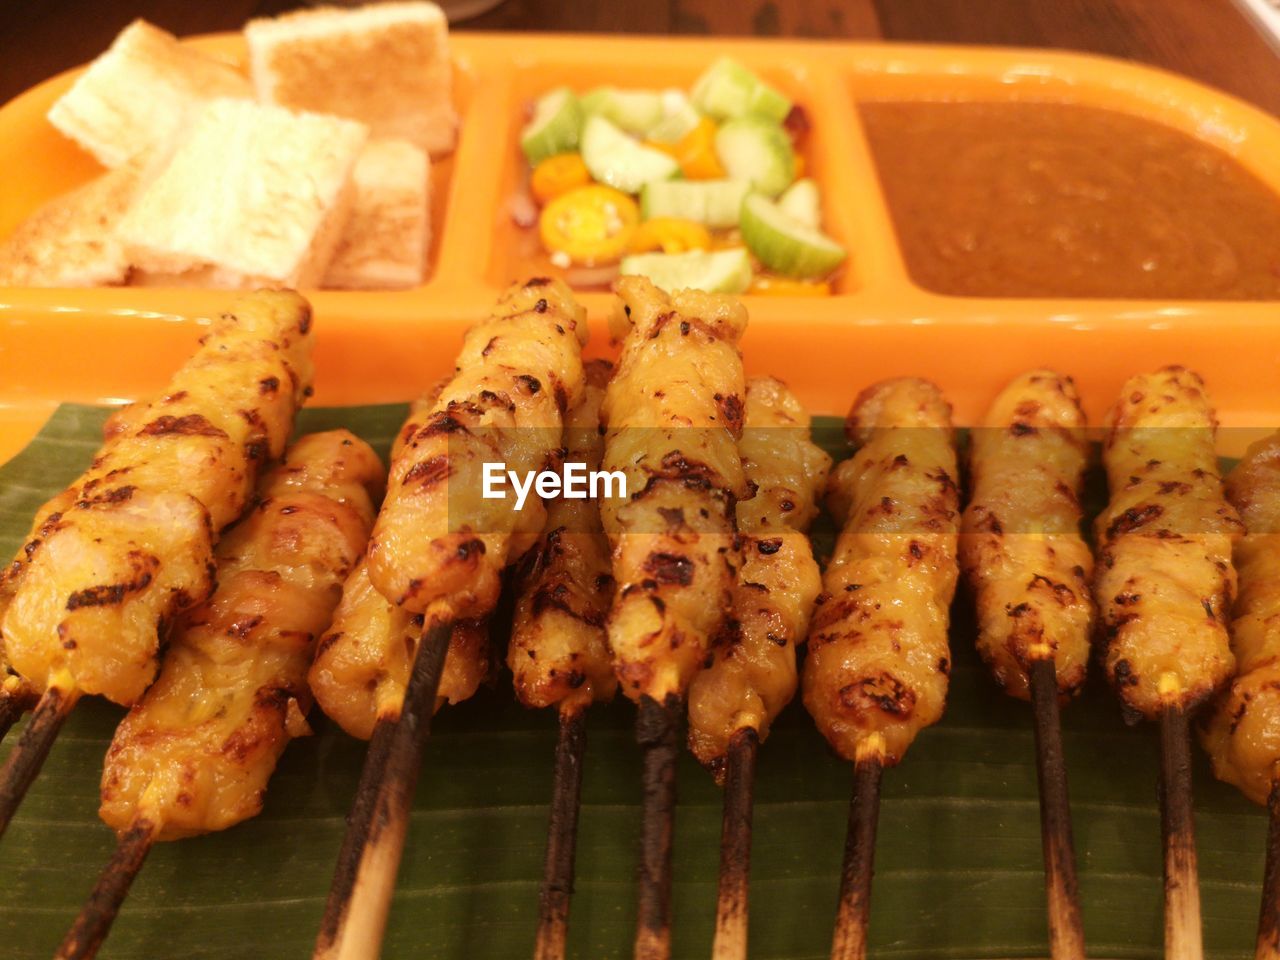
(591, 276)
(524, 211)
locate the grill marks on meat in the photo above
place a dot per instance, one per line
(79, 608)
(752, 674)
(559, 654)
(364, 659)
(1021, 548)
(878, 658)
(673, 431)
(1164, 580)
(142, 566)
(504, 404)
(1241, 733)
(195, 754)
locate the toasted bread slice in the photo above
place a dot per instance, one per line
(386, 65)
(139, 94)
(254, 196)
(71, 241)
(385, 244)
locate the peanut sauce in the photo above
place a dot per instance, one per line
(1061, 200)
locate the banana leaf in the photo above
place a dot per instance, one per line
(958, 865)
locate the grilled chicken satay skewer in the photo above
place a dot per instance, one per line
(1164, 587)
(878, 661)
(129, 545)
(1242, 733)
(674, 415)
(1030, 569)
(364, 660)
(195, 754)
(559, 655)
(439, 548)
(733, 701)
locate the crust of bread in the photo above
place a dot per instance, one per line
(140, 93)
(385, 244)
(386, 65)
(71, 241)
(254, 196)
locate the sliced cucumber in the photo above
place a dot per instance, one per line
(615, 159)
(719, 271)
(801, 202)
(714, 203)
(636, 111)
(556, 124)
(679, 117)
(757, 151)
(727, 90)
(784, 244)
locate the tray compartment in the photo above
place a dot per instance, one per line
(63, 165)
(649, 64)
(957, 74)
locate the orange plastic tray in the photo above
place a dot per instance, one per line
(113, 344)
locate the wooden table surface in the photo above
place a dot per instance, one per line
(1209, 40)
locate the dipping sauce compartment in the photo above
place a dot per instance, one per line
(1060, 200)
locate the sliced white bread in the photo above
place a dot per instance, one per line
(255, 195)
(386, 65)
(139, 93)
(389, 233)
(71, 241)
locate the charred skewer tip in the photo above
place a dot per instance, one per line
(657, 726)
(355, 914)
(557, 878)
(1066, 929)
(854, 911)
(99, 912)
(1183, 938)
(730, 941)
(28, 756)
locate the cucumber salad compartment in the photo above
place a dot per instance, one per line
(703, 188)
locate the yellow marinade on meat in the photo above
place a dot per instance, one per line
(1242, 733)
(1164, 581)
(878, 660)
(439, 546)
(1021, 547)
(674, 415)
(559, 654)
(128, 546)
(363, 661)
(753, 675)
(195, 754)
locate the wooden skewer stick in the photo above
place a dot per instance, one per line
(657, 726)
(28, 755)
(99, 912)
(1066, 930)
(1268, 947)
(732, 908)
(854, 911)
(1183, 938)
(355, 915)
(557, 877)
